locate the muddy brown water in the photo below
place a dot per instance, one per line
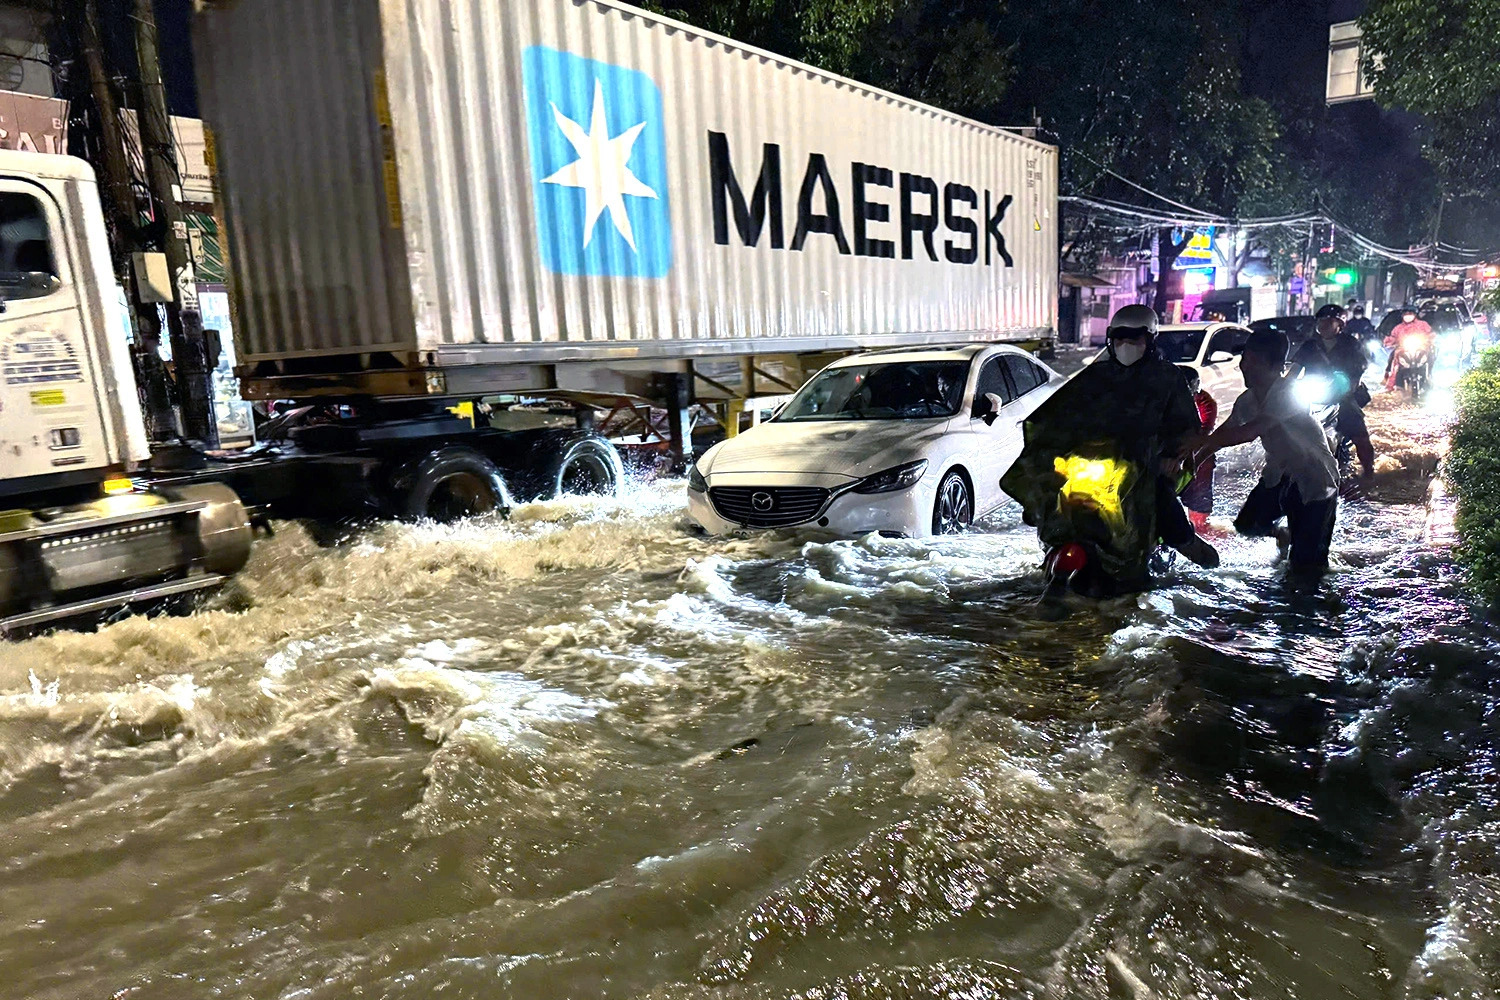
(590, 753)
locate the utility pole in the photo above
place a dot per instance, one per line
(125, 217)
(115, 167)
(189, 346)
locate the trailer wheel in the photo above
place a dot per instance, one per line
(583, 466)
(448, 485)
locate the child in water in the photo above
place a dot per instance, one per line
(1198, 498)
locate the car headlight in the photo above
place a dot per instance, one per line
(899, 477)
(696, 482)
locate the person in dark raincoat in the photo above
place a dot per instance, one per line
(1131, 408)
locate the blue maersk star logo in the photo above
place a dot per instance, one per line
(598, 163)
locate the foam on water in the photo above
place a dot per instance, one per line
(292, 586)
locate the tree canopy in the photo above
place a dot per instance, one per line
(943, 53)
(1438, 58)
(1148, 89)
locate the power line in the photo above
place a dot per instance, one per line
(1132, 219)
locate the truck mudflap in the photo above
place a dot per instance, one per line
(63, 562)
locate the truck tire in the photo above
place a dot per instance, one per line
(447, 485)
(582, 465)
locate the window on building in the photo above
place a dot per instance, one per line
(1346, 78)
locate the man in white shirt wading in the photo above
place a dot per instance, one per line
(1300, 481)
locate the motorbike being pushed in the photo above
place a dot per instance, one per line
(1094, 540)
(1321, 395)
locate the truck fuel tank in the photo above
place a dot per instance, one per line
(126, 547)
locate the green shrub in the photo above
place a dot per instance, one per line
(1474, 470)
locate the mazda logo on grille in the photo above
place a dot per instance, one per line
(762, 501)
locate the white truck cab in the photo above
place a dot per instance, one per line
(76, 534)
(68, 406)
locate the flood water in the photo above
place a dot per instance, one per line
(590, 753)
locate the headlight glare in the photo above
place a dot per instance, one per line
(1313, 390)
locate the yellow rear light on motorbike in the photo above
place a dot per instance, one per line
(1095, 482)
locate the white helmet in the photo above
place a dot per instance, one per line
(1134, 319)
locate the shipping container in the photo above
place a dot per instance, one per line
(431, 183)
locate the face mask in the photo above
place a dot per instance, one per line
(1127, 353)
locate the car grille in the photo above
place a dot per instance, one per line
(787, 504)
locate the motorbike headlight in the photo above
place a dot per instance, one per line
(696, 482)
(1312, 390)
(899, 477)
(1096, 483)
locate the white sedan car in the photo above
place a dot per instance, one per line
(1210, 349)
(1213, 350)
(908, 441)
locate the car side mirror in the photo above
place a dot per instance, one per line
(993, 406)
(1220, 357)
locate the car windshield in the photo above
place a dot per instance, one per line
(1180, 346)
(1443, 320)
(902, 390)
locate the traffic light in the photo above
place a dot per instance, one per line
(1344, 278)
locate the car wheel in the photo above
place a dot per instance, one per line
(954, 509)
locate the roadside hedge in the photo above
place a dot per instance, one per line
(1474, 472)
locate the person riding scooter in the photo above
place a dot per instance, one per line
(1411, 343)
(1361, 329)
(1338, 357)
(1121, 419)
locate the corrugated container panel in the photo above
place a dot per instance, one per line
(289, 93)
(545, 189)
